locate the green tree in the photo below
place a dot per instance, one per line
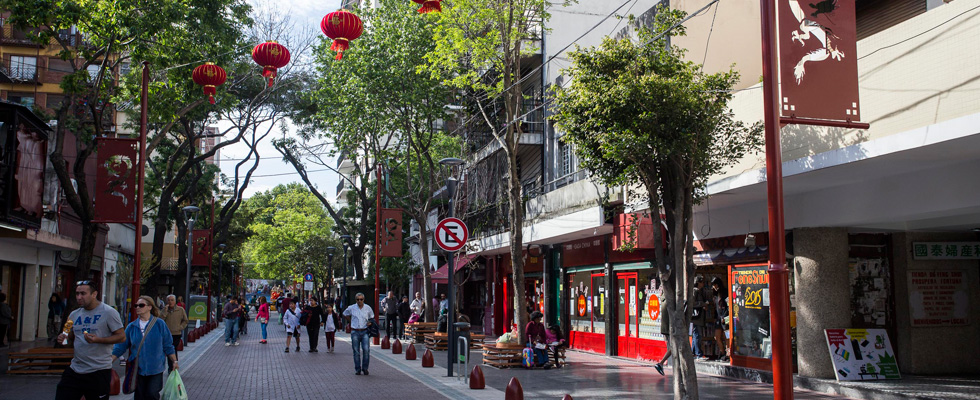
(480, 47)
(638, 114)
(381, 109)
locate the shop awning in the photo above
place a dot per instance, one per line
(735, 255)
(442, 274)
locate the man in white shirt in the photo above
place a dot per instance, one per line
(418, 305)
(359, 315)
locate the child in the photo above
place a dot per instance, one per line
(556, 341)
(330, 324)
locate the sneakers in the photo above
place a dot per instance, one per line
(236, 343)
(227, 344)
(330, 350)
(357, 373)
(659, 368)
(315, 351)
(263, 341)
(287, 349)
(366, 372)
(297, 348)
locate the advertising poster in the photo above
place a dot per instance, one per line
(939, 298)
(750, 311)
(862, 354)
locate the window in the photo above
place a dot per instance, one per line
(24, 99)
(23, 68)
(565, 166)
(93, 71)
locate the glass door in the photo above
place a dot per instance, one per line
(629, 327)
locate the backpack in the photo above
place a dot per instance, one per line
(304, 318)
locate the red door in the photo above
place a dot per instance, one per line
(629, 333)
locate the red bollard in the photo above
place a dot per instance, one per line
(410, 352)
(427, 360)
(385, 344)
(190, 336)
(396, 347)
(514, 390)
(476, 378)
(567, 397)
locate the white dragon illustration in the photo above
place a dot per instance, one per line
(810, 28)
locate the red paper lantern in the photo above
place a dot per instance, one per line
(210, 76)
(271, 56)
(342, 26)
(429, 6)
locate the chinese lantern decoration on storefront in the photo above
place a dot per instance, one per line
(271, 56)
(429, 6)
(342, 26)
(210, 76)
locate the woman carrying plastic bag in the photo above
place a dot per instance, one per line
(174, 389)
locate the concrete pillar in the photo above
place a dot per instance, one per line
(31, 292)
(823, 297)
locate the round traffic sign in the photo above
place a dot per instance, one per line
(308, 277)
(451, 234)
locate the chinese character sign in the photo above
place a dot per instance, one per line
(946, 250)
(202, 247)
(818, 60)
(115, 184)
(391, 232)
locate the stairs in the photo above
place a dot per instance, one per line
(40, 361)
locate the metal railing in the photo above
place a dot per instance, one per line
(169, 264)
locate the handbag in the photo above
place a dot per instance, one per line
(114, 384)
(129, 383)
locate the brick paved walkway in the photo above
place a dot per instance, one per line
(263, 371)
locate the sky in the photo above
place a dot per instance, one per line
(272, 170)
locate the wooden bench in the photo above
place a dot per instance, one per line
(418, 330)
(439, 341)
(40, 360)
(511, 356)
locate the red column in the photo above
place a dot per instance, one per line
(137, 254)
(782, 364)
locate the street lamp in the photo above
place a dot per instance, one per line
(451, 312)
(234, 286)
(330, 251)
(343, 294)
(189, 213)
(221, 264)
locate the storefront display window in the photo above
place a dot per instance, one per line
(649, 296)
(580, 299)
(750, 311)
(598, 303)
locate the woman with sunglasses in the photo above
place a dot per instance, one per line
(157, 346)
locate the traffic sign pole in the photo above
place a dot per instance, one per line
(451, 235)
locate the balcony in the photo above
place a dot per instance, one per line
(343, 188)
(15, 37)
(169, 265)
(19, 72)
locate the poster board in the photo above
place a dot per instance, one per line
(939, 298)
(750, 311)
(862, 354)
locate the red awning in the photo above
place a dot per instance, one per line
(442, 274)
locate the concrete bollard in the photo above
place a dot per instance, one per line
(396, 347)
(385, 343)
(514, 390)
(410, 352)
(476, 378)
(427, 360)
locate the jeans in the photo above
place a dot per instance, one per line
(148, 387)
(361, 343)
(696, 341)
(540, 356)
(265, 335)
(330, 339)
(231, 330)
(170, 363)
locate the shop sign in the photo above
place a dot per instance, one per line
(946, 250)
(939, 298)
(862, 354)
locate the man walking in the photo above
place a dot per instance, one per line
(404, 313)
(418, 305)
(231, 312)
(95, 327)
(391, 314)
(176, 319)
(359, 315)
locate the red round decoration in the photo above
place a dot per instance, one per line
(342, 26)
(210, 76)
(429, 6)
(271, 56)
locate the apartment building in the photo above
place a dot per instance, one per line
(875, 218)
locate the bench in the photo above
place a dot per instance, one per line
(40, 360)
(437, 341)
(510, 355)
(418, 330)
